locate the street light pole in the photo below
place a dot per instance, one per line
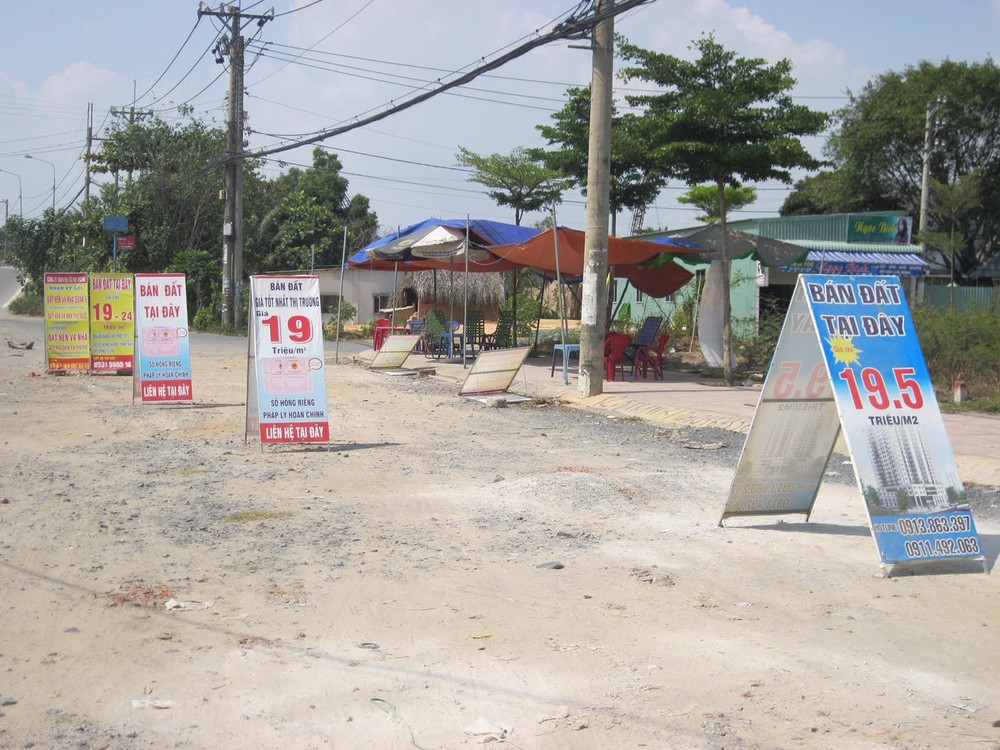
(20, 193)
(29, 156)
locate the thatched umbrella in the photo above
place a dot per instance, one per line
(484, 289)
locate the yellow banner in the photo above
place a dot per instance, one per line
(112, 327)
(67, 327)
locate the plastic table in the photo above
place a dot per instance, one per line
(567, 351)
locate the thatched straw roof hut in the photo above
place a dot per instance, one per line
(442, 288)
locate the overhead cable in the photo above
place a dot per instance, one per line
(571, 28)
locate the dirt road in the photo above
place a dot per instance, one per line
(444, 574)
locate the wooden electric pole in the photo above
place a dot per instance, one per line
(593, 314)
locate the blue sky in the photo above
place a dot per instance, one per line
(59, 56)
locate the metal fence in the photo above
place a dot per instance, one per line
(963, 297)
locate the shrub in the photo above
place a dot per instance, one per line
(206, 320)
(28, 303)
(335, 325)
(961, 345)
(754, 345)
(528, 310)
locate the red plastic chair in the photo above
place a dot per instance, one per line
(380, 332)
(615, 345)
(651, 356)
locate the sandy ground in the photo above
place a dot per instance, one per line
(446, 574)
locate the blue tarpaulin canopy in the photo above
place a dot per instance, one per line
(484, 234)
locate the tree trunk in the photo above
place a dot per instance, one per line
(727, 306)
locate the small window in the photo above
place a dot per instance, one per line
(639, 295)
(329, 302)
(614, 290)
(381, 302)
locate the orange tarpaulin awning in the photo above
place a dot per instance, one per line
(629, 258)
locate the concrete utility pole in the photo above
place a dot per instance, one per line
(233, 45)
(86, 161)
(925, 178)
(20, 192)
(6, 211)
(233, 215)
(593, 314)
(133, 116)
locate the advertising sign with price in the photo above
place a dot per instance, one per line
(162, 344)
(848, 358)
(112, 326)
(286, 373)
(67, 329)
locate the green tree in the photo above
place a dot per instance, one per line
(521, 181)
(517, 180)
(706, 198)
(203, 270)
(721, 119)
(878, 147)
(821, 193)
(872, 499)
(167, 182)
(949, 206)
(634, 182)
(308, 211)
(904, 500)
(36, 246)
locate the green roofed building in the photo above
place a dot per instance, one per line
(851, 243)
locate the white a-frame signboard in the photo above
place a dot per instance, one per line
(848, 358)
(286, 371)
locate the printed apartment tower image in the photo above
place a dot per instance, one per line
(904, 472)
(793, 448)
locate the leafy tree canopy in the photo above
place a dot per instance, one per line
(721, 119)
(821, 193)
(166, 179)
(519, 180)
(706, 197)
(309, 209)
(878, 148)
(634, 182)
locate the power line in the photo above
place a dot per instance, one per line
(358, 73)
(303, 7)
(322, 39)
(571, 28)
(174, 59)
(212, 44)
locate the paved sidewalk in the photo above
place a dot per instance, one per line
(688, 400)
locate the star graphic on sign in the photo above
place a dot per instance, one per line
(843, 349)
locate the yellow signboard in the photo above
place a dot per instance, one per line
(67, 334)
(112, 328)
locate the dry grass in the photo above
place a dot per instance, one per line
(255, 514)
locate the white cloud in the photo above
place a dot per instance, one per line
(76, 83)
(820, 67)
